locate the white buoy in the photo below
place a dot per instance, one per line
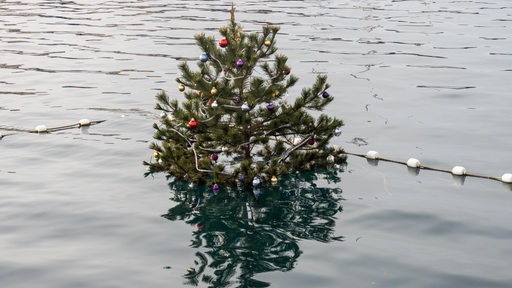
(41, 129)
(459, 171)
(84, 122)
(372, 155)
(413, 163)
(507, 178)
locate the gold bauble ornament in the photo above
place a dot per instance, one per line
(267, 43)
(213, 91)
(273, 180)
(181, 88)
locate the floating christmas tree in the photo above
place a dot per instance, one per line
(234, 126)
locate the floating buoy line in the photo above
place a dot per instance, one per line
(416, 164)
(41, 129)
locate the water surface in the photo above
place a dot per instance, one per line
(422, 79)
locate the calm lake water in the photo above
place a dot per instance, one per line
(423, 79)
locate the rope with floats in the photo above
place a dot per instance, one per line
(415, 163)
(42, 129)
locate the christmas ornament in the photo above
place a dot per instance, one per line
(215, 104)
(337, 131)
(199, 93)
(311, 141)
(256, 181)
(223, 43)
(273, 180)
(245, 107)
(213, 91)
(216, 188)
(287, 71)
(325, 94)
(181, 88)
(204, 57)
(267, 42)
(275, 94)
(214, 157)
(270, 107)
(239, 63)
(156, 154)
(224, 149)
(192, 124)
(330, 159)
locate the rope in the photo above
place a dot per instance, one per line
(40, 129)
(414, 163)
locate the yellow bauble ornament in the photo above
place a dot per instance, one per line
(273, 180)
(181, 88)
(213, 91)
(267, 42)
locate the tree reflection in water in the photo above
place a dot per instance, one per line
(239, 235)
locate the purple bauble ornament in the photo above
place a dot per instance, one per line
(270, 107)
(311, 141)
(239, 63)
(214, 157)
(325, 94)
(216, 188)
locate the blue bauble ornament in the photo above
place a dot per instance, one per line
(337, 131)
(204, 57)
(325, 94)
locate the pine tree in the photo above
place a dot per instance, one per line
(235, 109)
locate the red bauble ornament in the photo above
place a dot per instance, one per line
(287, 71)
(192, 124)
(214, 157)
(223, 43)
